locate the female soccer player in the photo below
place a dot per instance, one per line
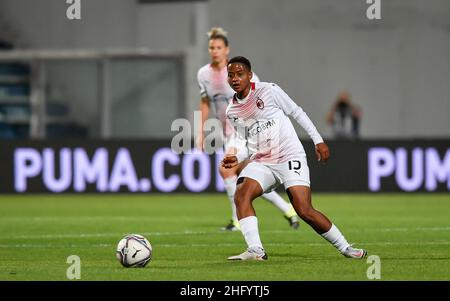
(259, 112)
(215, 91)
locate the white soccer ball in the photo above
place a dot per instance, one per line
(134, 250)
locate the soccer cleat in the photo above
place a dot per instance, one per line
(232, 226)
(250, 254)
(294, 221)
(351, 252)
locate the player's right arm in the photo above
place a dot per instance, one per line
(204, 108)
(230, 161)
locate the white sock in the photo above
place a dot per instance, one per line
(230, 187)
(335, 237)
(249, 228)
(279, 202)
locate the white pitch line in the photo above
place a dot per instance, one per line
(299, 244)
(54, 246)
(433, 229)
(9, 219)
(81, 235)
(189, 232)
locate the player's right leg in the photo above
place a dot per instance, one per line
(248, 190)
(253, 181)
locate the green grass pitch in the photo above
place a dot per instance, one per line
(409, 232)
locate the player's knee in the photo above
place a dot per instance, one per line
(306, 213)
(242, 197)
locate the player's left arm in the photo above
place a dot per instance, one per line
(290, 108)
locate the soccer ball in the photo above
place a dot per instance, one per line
(134, 250)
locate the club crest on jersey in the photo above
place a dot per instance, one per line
(260, 103)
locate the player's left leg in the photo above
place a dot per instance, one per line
(300, 197)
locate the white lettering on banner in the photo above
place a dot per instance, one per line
(191, 182)
(163, 183)
(65, 169)
(90, 171)
(401, 175)
(123, 172)
(381, 164)
(27, 164)
(427, 168)
(437, 171)
(60, 170)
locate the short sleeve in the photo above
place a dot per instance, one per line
(201, 84)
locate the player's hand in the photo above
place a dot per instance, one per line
(229, 161)
(322, 152)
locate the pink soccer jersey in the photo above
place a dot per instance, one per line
(262, 119)
(214, 85)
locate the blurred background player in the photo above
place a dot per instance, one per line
(277, 157)
(344, 117)
(215, 91)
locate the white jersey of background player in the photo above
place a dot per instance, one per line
(260, 111)
(215, 92)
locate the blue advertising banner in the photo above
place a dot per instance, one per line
(151, 166)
